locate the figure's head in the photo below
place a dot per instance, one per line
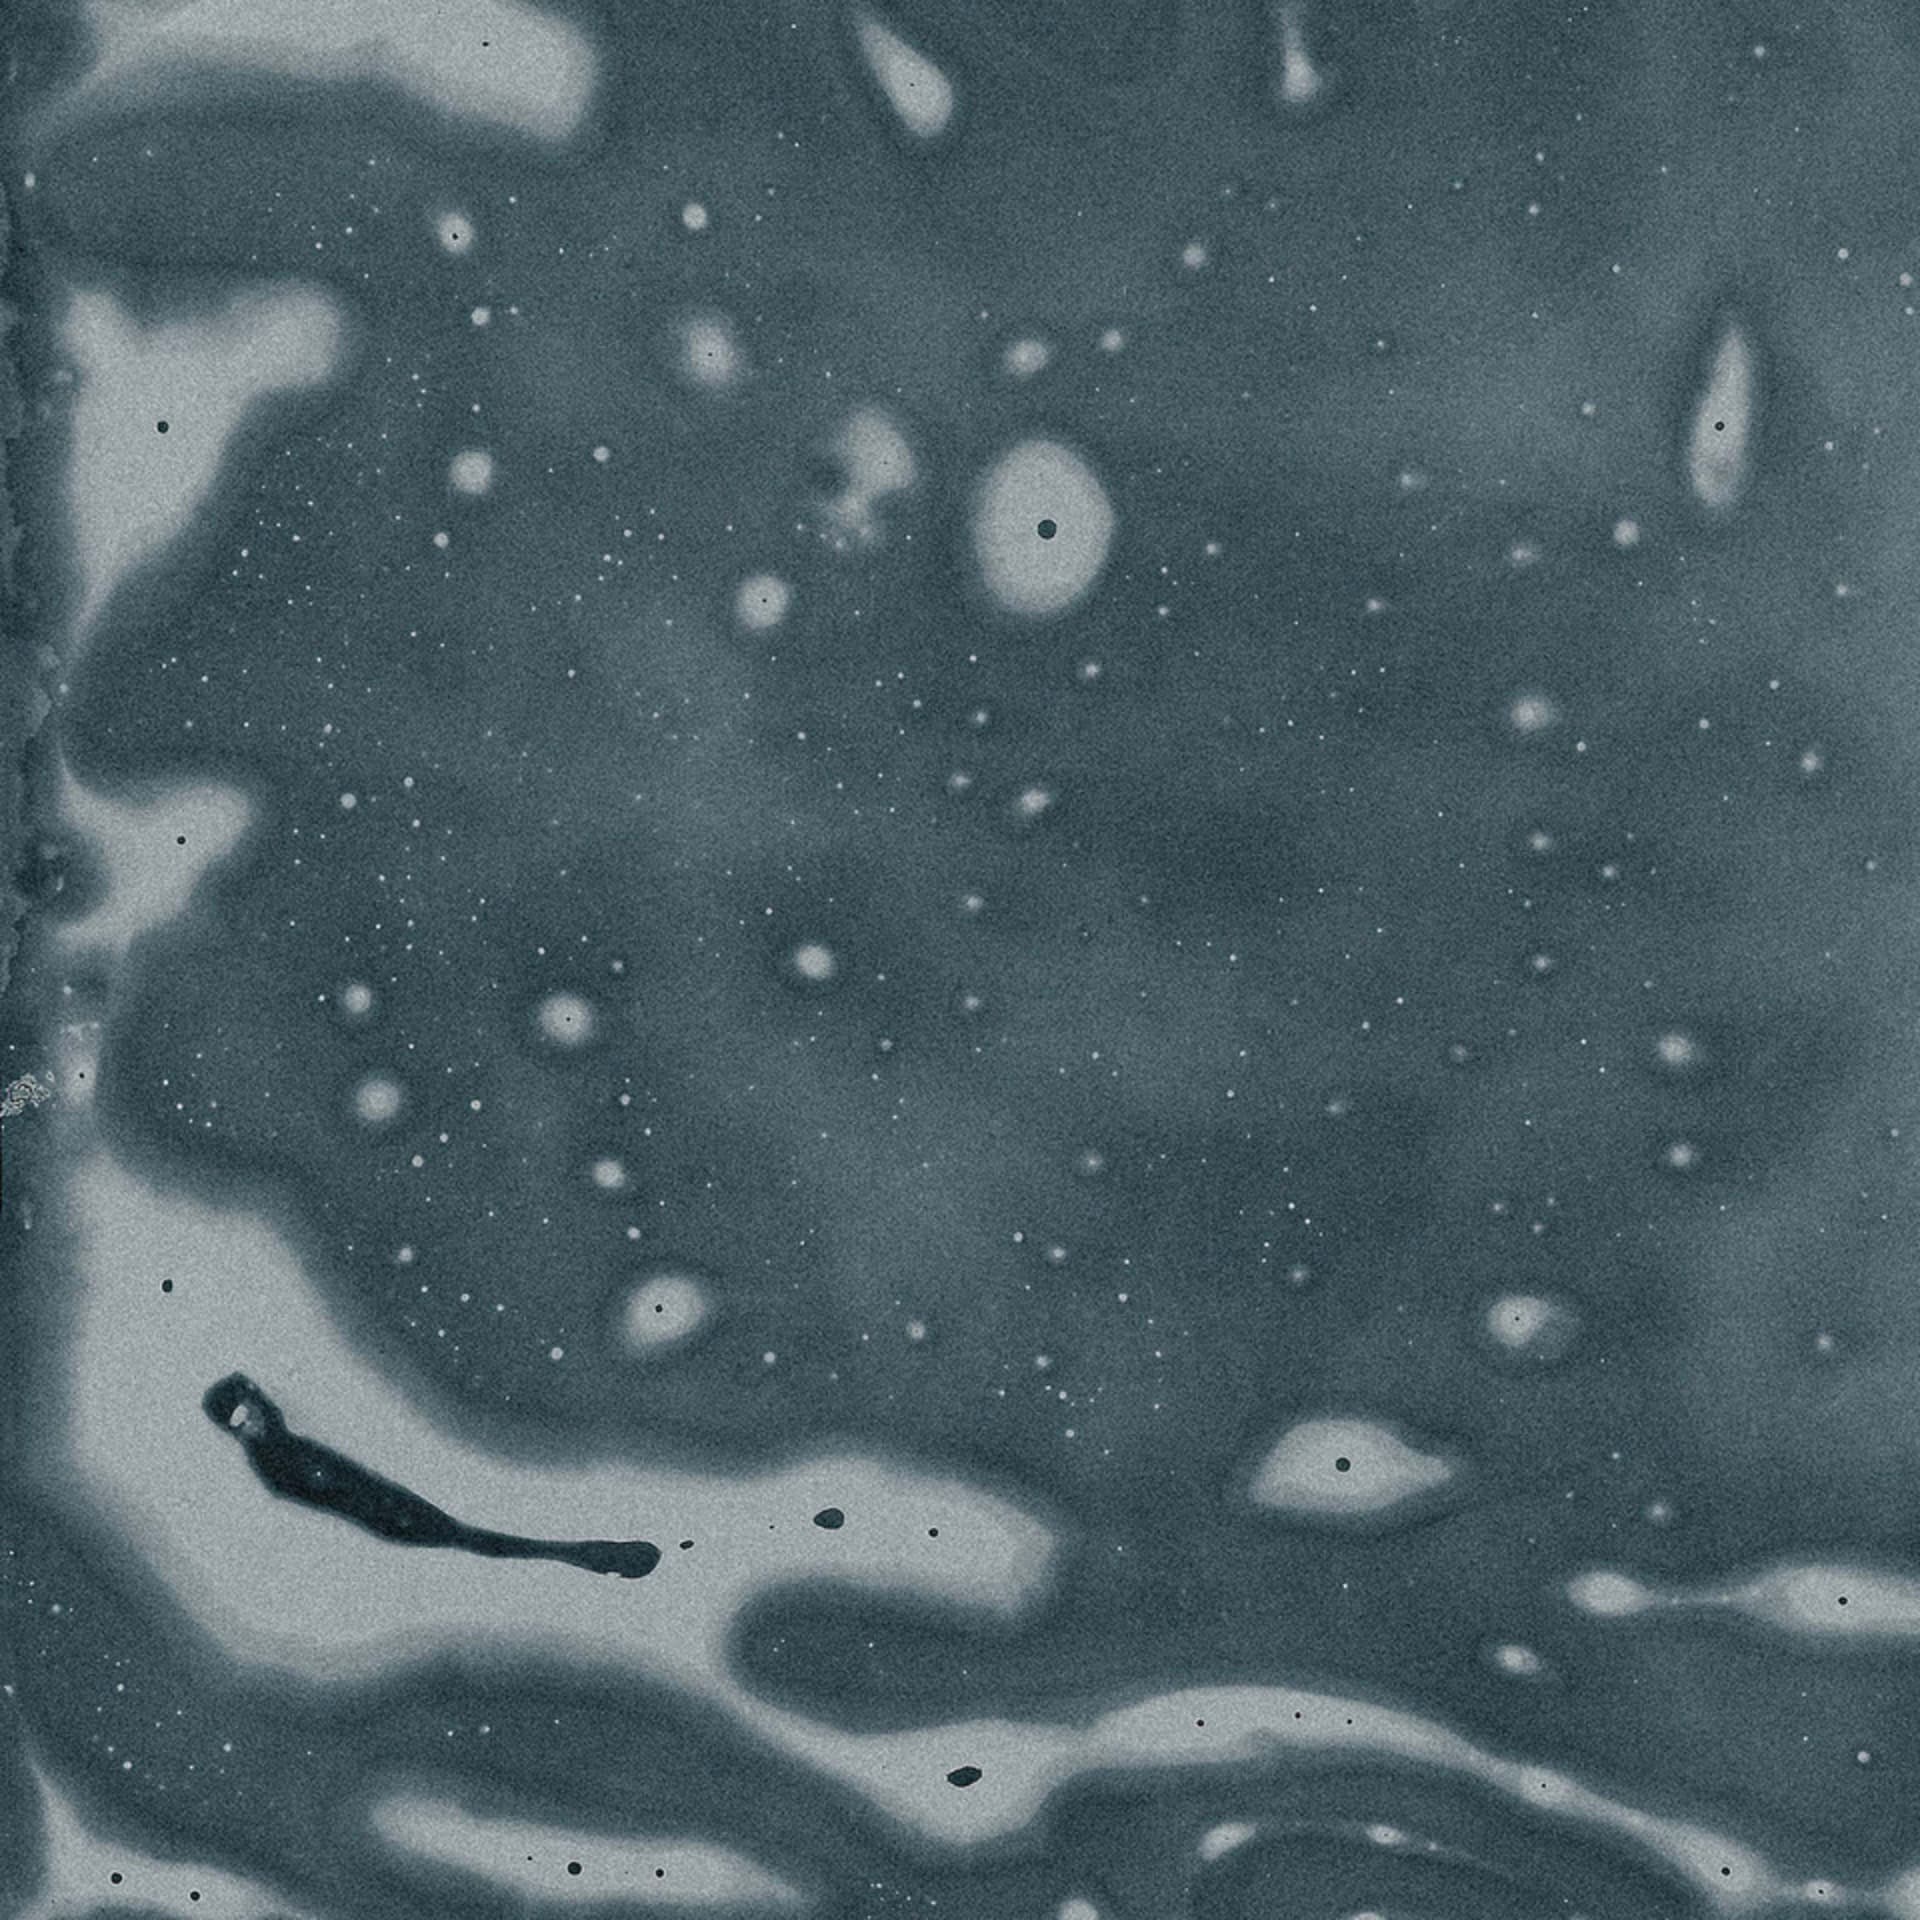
(238, 1405)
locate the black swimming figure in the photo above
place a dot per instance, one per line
(300, 1469)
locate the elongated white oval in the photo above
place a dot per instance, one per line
(1719, 445)
(920, 95)
(1042, 529)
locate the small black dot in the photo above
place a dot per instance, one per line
(1843, 1599)
(684, 1545)
(166, 1286)
(963, 1776)
(1719, 426)
(573, 1866)
(179, 839)
(160, 426)
(933, 1533)
(1046, 529)
(830, 1517)
(116, 1878)
(1343, 1465)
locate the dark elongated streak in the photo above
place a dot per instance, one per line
(296, 1468)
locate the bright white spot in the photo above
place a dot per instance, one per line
(1717, 447)
(1520, 1661)
(1300, 80)
(762, 601)
(815, 962)
(1532, 713)
(694, 217)
(1341, 1468)
(565, 1020)
(920, 95)
(1042, 529)
(608, 1175)
(1218, 1841)
(662, 1310)
(471, 472)
(1075, 1908)
(1611, 1596)
(481, 316)
(377, 1099)
(1024, 358)
(603, 455)
(1194, 255)
(456, 231)
(1531, 1326)
(356, 999)
(710, 352)
(1626, 533)
(1677, 1051)
(1112, 340)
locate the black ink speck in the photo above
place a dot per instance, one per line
(1343, 1465)
(963, 1776)
(829, 1517)
(573, 1866)
(160, 426)
(1047, 529)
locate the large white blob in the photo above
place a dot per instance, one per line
(564, 1867)
(157, 407)
(1345, 1469)
(920, 95)
(488, 60)
(1042, 529)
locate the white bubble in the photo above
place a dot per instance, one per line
(920, 95)
(1112, 340)
(1300, 81)
(378, 1099)
(815, 962)
(1531, 1326)
(1677, 1051)
(1024, 358)
(1626, 533)
(1611, 1596)
(1532, 713)
(457, 232)
(1520, 1661)
(1219, 1841)
(1194, 255)
(1042, 529)
(710, 352)
(356, 999)
(662, 1310)
(481, 316)
(471, 472)
(1717, 447)
(1342, 1468)
(761, 601)
(608, 1175)
(694, 217)
(565, 1019)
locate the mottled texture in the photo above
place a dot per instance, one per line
(914, 796)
